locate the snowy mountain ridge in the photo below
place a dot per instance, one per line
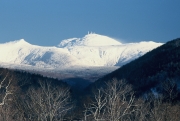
(91, 50)
(89, 40)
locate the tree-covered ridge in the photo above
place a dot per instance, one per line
(148, 71)
(32, 97)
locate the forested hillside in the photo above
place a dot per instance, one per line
(149, 71)
(146, 89)
(31, 97)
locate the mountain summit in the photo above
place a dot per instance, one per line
(90, 39)
(20, 42)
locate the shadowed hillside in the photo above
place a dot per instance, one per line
(25, 96)
(150, 70)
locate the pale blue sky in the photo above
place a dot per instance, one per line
(47, 22)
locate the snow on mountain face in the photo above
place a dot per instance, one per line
(116, 55)
(91, 50)
(89, 40)
(21, 52)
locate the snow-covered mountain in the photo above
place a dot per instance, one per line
(91, 50)
(89, 40)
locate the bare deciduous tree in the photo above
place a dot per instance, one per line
(6, 111)
(47, 102)
(170, 88)
(155, 109)
(97, 107)
(5, 85)
(113, 103)
(120, 100)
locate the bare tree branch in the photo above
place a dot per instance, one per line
(7, 91)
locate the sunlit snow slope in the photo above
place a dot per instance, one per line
(91, 50)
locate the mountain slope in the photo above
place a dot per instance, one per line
(151, 70)
(21, 52)
(91, 50)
